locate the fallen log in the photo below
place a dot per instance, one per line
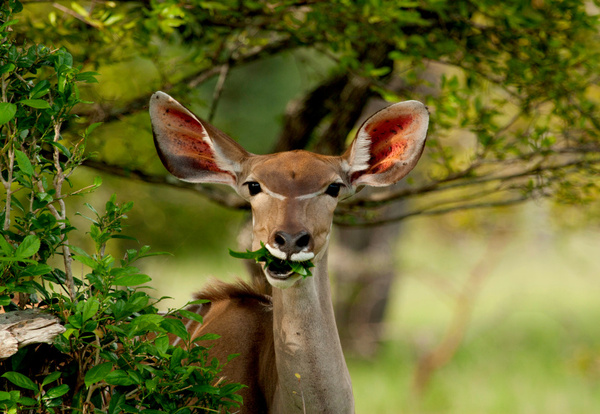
(26, 327)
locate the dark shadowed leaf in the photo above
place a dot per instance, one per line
(97, 373)
(20, 380)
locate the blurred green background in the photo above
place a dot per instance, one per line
(508, 299)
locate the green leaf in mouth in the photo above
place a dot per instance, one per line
(263, 255)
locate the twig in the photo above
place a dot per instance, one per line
(465, 301)
(301, 392)
(218, 90)
(62, 216)
(75, 15)
(340, 221)
(7, 185)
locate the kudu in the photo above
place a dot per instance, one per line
(290, 353)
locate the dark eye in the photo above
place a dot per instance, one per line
(253, 188)
(333, 189)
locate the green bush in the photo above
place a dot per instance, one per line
(115, 354)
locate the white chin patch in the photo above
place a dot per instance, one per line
(302, 256)
(283, 283)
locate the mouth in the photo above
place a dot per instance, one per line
(279, 269)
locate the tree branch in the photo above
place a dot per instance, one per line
(108, 113)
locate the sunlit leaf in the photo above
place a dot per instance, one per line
(24, 163)
(131, 280)
(35, 103)
(28, 247)
(7, 112)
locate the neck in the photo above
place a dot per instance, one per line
(307, 344)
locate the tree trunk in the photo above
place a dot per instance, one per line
(362, 261)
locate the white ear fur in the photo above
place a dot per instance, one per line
(388, 145)
(191, 149)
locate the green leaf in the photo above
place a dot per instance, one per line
(176, 327)
(51, 378)
(162, 344)
(191, 315)
(28, 247)
(64, 150)
(39, 90)
(69, 332)
(79, 251)
(20, 380)
(147, 322)
(36, 103)
(117, 403)
(9, 67)
(27, 401)
(57, 392)
(207, 337)
(36, 270)
(131, 280)
(119, 377)
(263, 255)
(5, 300)
(88, 77)
(90, 308)
(178, 355)
(256, 255)
(24, 163)
(197, 302)
(7, 112)
(88, 261)
(97, 373)
(91, 128)
(5, 246)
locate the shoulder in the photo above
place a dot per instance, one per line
(218, 291)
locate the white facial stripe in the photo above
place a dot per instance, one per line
(274, 195)
(300, 197)
(266, 190)
(307, 196)
(315, 194)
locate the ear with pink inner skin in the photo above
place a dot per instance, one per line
(388, 145)
(192, 150)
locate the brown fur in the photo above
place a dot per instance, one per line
(241, 314)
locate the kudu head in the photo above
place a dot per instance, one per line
(293, 194)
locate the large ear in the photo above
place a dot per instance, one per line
(192, 150)
(388, 145)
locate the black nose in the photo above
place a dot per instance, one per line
(291, 243)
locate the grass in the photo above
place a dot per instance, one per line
(533, 341)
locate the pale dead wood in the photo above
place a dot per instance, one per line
(21, 328)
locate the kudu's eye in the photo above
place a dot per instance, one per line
(253, 188)
(333, 189)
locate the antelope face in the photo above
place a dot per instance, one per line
(293, 196)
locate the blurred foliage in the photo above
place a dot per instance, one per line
(512, 86)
